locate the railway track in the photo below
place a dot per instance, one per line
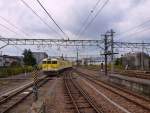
(82, 102)
(15, 97)
(117, 90)
(141, 75)
(137, 75)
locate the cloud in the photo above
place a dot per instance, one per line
(70, 15)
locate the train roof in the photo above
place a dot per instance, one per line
(44, 59)
(54, 59)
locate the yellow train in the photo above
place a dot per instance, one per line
(51, 66)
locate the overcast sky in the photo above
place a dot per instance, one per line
(121, 16)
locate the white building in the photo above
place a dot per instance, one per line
(39, 56)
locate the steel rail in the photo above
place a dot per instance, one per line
(69, 92)
(91, 102)
(108, 85)
(18, 93)
(142, 75)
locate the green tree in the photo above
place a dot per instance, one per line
(118, 61)
(28, 58)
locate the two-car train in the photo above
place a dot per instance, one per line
(52, 66)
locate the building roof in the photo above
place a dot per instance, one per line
(12, 57)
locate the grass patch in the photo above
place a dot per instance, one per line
(10, 71)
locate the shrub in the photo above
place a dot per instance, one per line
(10, 71)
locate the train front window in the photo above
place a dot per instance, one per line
(54, 62)
(49, 62)
(44, 62)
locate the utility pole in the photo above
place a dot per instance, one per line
(112, 50)
(77, 57)
(142, 57)
(109, 44)
(105, 52)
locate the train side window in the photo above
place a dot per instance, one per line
(44, 62)
(49, 62)
(54, 62)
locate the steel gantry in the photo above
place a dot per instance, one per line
(131, 45)
(67, 42)
(51, 42)
(106, 45)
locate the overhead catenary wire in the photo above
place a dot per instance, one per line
(50, 16)
(95, 6)
(87, 18)
(50, 28)
(10, 23)
(92, 20)
(133, 28)
(9, 29)
(135, 33)
(12, 32)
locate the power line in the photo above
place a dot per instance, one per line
(86, 20)
(133, 28)
(13, 25)
(40, 17)
(11, 31)
(94, 17)
(49, 15)
(95, 5)
(8, 29)
(139, 31)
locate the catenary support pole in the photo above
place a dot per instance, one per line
(142, 56)
(105, 53)
(77, 57)
(112, 50)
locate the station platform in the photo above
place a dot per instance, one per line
(138, 85)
